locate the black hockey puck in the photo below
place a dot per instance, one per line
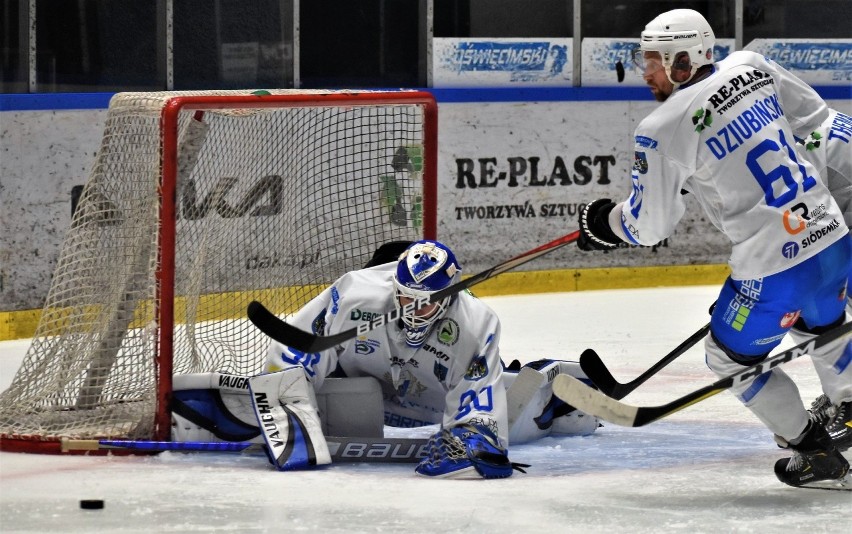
(92, 504)
(619, 71)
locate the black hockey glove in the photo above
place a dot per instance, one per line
(595, 232)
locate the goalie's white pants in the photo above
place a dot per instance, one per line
(773, 396)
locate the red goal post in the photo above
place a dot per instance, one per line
(197, 204)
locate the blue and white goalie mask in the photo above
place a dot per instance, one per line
(424, 268)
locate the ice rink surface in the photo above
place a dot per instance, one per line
(707, 468)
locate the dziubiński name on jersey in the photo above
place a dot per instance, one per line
(731, 136)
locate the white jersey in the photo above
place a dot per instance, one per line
(831, 153)
(729, 140)
(454, 377)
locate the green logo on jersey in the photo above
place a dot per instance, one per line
(448, 332)
(702, 119)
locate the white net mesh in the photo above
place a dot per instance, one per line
(272, 204)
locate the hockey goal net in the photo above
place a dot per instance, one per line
(197, 204)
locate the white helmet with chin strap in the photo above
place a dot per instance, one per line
(684, 39)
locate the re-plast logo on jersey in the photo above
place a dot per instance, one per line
(790, 250)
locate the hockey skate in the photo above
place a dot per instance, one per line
(815, 463)
(837, 420)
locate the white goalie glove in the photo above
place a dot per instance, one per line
(285, 407)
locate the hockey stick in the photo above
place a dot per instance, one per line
(594, 402)
(298, 339)
(342, 449)
(598, 373)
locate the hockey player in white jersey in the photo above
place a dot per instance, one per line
(829, 150)
(725, 133)
(440, 364)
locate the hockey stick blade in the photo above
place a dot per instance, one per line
(594, 402)
(289, 335)
(598, 373)
(342, 449)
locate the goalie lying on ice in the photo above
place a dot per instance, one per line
(437, 365)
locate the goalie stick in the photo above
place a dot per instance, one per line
(598, 373)
(594, 402)
(289, 335)
(342, 449)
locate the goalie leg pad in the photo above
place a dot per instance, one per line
(212, 407)
(285, 407)
(543, 414)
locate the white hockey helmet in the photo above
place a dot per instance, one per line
(684, 39)
(424, 268)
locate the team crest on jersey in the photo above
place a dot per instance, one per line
(440, 371)
(448, 332)
(640, 162)
(477, 369)
(701, 119)
(318, 324)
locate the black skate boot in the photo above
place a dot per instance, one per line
(837, 420)
(816, 459)
(840, 426)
